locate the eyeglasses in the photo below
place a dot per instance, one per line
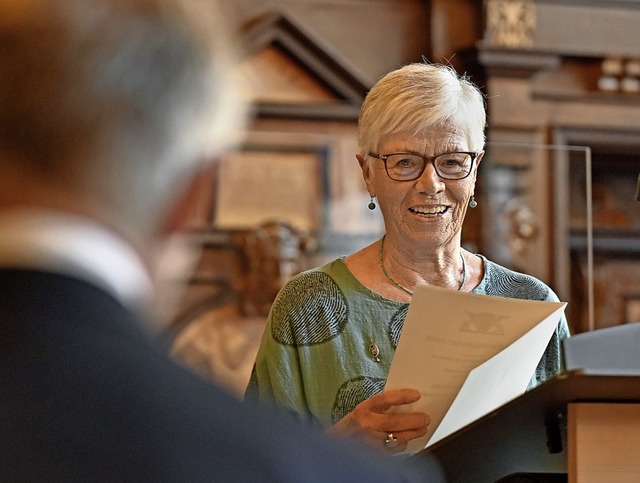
(409, 167)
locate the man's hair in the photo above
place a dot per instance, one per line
(120, 96)
(416, 97)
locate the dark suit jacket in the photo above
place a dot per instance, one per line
(87, 395)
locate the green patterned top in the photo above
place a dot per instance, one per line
(316, 358)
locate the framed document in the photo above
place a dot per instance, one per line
(267, 182)
(632, 307)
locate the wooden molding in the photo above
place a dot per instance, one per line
(309, 57)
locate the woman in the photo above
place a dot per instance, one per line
(421, 141)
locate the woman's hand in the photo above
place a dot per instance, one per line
(371, 422)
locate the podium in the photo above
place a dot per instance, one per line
(571, 424)
(604, 442)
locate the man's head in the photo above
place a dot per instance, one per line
(107, 107)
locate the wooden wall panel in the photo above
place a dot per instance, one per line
(373, 35)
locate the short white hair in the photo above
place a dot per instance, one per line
(416, 97)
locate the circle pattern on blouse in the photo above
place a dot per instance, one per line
(518, 286)
(315, 311)
(352, 393)
(396, 324)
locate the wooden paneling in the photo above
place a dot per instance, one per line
(374, 36)
(604, 440)
(548, 87)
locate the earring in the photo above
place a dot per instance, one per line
(472, 202)
(371, 205)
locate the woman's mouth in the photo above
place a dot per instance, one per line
(429, 210)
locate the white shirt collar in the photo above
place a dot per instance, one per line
(74, 246)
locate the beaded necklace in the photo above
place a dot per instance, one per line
(410, 292)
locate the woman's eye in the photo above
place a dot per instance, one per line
(407, 163)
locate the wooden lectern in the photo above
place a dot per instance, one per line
(581, 424)
(604, 442)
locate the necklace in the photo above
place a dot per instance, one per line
(410, 292)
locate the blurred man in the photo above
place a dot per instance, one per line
(107, 108)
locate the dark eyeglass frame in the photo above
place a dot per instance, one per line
(427, 159)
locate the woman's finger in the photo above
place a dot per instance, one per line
(385, 400)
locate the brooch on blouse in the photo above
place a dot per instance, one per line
(374, 350)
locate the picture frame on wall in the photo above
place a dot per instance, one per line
(314, 182)
(261, 182)
(632, 307)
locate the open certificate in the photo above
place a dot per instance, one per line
(468, 354)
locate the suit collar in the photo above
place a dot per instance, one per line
(74, 246)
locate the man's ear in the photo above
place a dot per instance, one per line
(187, 210)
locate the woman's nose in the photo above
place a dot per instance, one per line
(429, 181)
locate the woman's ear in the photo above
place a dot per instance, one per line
(478, 159)
(366, 170)
(361, 160)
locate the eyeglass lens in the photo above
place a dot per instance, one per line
(405, 167)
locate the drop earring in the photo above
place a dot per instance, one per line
(371, 205)
(472, 202)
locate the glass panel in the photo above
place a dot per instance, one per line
(538, 218)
